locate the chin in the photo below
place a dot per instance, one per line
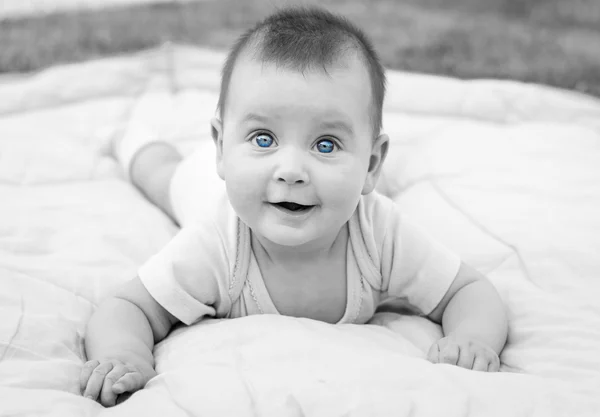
(289, 239)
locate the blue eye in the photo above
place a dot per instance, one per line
(263, 140)
(325, 146)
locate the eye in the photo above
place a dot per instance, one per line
(325, 146)
(263, 140)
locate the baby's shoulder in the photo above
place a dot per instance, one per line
(368, 229)
(218, 222)
(373, 214)
(213, 241)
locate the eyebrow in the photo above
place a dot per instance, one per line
(250, 117)
(325, 125)
(337, 125)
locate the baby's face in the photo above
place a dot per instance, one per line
(296, 149)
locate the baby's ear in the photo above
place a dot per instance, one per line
(216, 128)
(378, 153)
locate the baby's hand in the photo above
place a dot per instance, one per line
(464, 352)
(107, 380)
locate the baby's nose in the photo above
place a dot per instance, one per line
(291, 175)
(291, 170)
(291, 179)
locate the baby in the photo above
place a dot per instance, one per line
(298, 229)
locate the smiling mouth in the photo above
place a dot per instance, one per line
(293, 207)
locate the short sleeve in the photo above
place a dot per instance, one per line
(414, 266)
(189, 276)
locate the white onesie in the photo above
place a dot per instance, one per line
(209, 270)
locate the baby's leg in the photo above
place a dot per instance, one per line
(151, 172)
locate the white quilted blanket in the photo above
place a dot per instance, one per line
(507, 174)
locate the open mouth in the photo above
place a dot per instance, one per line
(293, 207)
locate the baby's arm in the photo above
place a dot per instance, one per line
(119, 341)
(474, 322)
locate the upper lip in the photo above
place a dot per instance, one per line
(290, 201)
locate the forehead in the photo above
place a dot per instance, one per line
(343, 88)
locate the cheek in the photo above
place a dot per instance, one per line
(242, 194)
(343, 186)
(244, 179)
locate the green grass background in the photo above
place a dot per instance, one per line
(554, 42)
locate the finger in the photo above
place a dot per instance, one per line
(123, 397)
(466, 358)
(449, 354)
(434, 353)
(494, 364)
(96, 380)
(130, 382)
(481, 363)
(85, 374)
(108, 398)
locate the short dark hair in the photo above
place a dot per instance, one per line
(307, 38)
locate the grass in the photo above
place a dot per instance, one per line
(553, 42)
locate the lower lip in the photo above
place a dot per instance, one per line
(295, 214)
